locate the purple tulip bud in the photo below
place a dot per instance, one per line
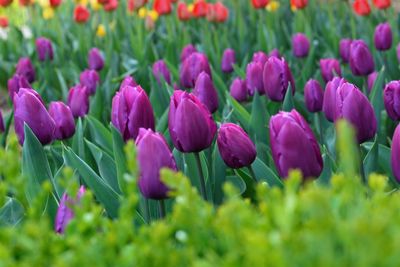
(395, 155)
(195, 64)
(313, 96)
(361, 60)
(235, 147)
(205, 92)
(301, 45)
(90, 79)
(277, 76)
(187, 51)
(329, 105)
(65, 211)
(383, 37)
(254, 79)
(78, 100)
(260, 57)
(190, 124)
(293, 145)
(29, 109)
(228, 59)
(274, 53)
(153, 154)
(96, 60)
(128, 81)
(353, 106)
(25, 68)
(63, 119)
(238, 90)
(15, 83)
(371, 80)
(344, 49)
(391, 98)
(44, 49)
(330, 68)
(2, 128)
(131, 110)
(160, 69)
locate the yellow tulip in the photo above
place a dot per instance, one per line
(101, 31)
(142, 12)
(44, 3)
(95, 5)
(48, 13)
(273, 6)
(82, 2)
(153, 14)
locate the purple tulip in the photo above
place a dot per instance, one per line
(391, 98)
(371, 80)
(329, 105)
(300, 45)
(254, 79)
(395, 155)
(344, 49)
(190, 124)
(260, 57)
(383, 37)
(353, 106)
(63, 119)
(160, 69)
(44, 49)
(90, 79)
(187, 51)
(128, 81)
(65, 211)
(195, 64)
(131, 110)
(293, 145)
(238, 90)
(15, 83)
(235, 147)
(274, 53)
(78, 100)
(30, 109)
(205, 92)
(95, 59)
(228, 59)
(330, 68)
(276, 77)
(313, 96)
(153, 154)
(361, 60)
(25, 68)
(2, 128)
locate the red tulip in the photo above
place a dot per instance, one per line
(111, 5)
(25, 2)
(81, 14)
(183, 12)
(55, 3)
(361, 7)
(5, 3)
(221, 12)
(259, 3)
(3, 22)
(299, 4)
(382, 4)
(162, 7)
(200, 8)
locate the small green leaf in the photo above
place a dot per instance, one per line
(288, 103)
(100, 134)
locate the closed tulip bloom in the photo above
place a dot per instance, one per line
(131, 110)
(238, 90)
(183, 12)
(353, 106)
(95, 60)
(90, 79)
(260, 57)
(391, 98)
(55, 3)
(329, 101)
(128, 81)
(5, 3)
(15, 83)
(313, 96)
(78, 100)
(187, 51)
(235, 147)
(293, 145)
(44, 49)
(25, 68)
(2, 128)
(395, 155)
(63, 119)
(205, 92)
(160, 69)
(195, 64)
(299, 4)
(361, 60)
(259, 3)
(254, 79)
(276, 77)
(300, 45)
(274, 53)
(199, 8)
(29, 108)
(382, 4)
(330, 68)
(228, 59)
(361, 7)
(190, 124)
(344, 49)
(163, 7)
(65, 211)
(153, 154)
(383, 37)
(81, 14)
(371, 80)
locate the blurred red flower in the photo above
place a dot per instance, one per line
(183, 12)
(111, 5)
(55, 3)
(382, 4)
(135, 4)
(299, 4)
(259, 3)
(162, 7)
(3, 22)
(81, 14)
(361, 7)
(25, 2)
(217, 12)
(200, 8)
(5, 3)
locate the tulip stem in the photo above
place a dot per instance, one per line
(147, 210)
(321, 129)
(161, 208)
(253, 175)
(362, 171)
(201, 176)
